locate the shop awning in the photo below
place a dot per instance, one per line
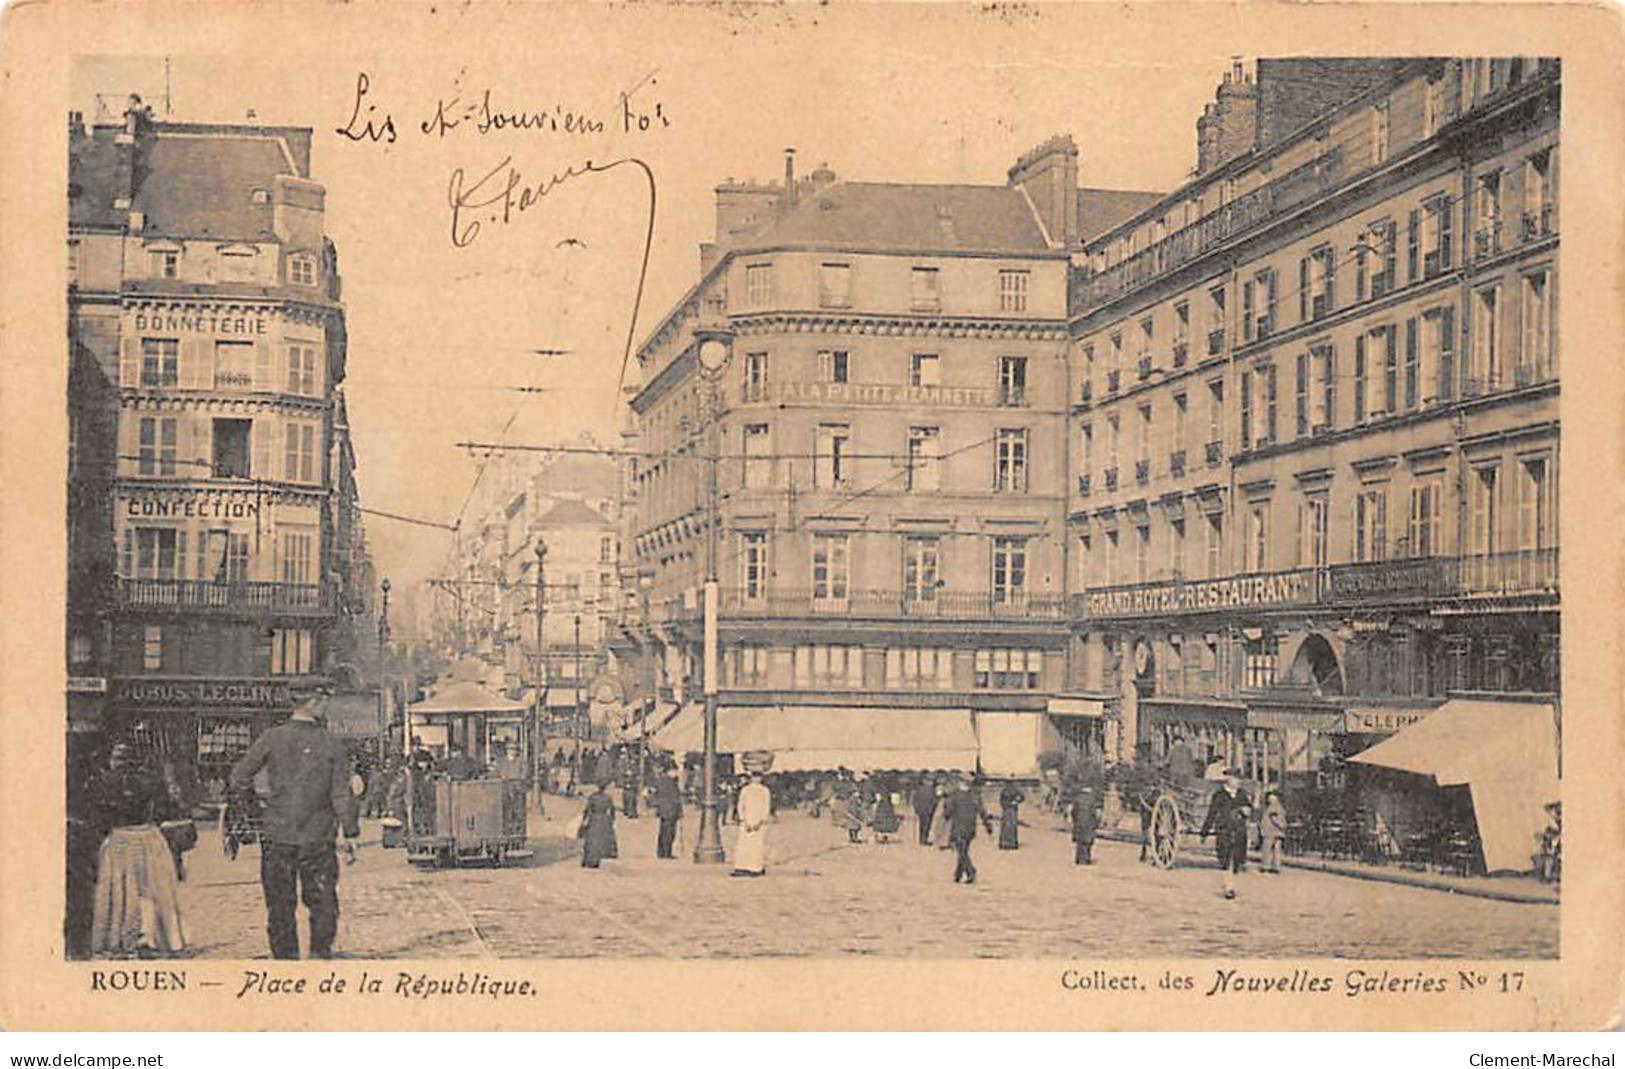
(685, 733)
(466, 697)
(1076, 707)
(805, 738)
(1504, 752)
(631, 726)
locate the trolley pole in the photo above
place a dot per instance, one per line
(581, 732)
(383, 677)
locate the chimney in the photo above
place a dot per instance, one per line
(789, 178)
(1049, 175)
(1228, 127)
(76, 126)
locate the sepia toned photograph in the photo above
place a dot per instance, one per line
(685, 489)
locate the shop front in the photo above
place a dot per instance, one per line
(197, 728)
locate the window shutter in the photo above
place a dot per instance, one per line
(1246, 409)
(1359, 378)
(1390, 370)
(1303, 394)
(1413, 238)
(1410, 363)
(1447, 218)
(129, 363)
(1331, 386)
(1360, 281)
(180, 554)
(263, 381)
(127, 558)
(1331, 282)
(1303, 289)
(187, 453)
(195, 372)
(1269, 430)
(263, 432)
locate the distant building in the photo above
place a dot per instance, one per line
(214, 536)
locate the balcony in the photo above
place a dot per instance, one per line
(1142, 472)
(1176, 463)
(1487, 241)
(1111, 479)
(1113, 380)
(1144, 368)
(1215, 342)
(1215, 453)
(199, 595)
(1537, 224)
(1181, 353)
(1083, 486)
(945, 605)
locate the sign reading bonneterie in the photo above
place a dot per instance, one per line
(203, 321)
(1236, 592)
(212, 693)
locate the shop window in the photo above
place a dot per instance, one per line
(1009, 669)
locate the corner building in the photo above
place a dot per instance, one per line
(1314, 435)
(204, 292)
(891, 429)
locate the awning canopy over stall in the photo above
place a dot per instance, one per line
(1070, 706)
(1504, 752)
(685, 732)
(805, 738)
(465, 698)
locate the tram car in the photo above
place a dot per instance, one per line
(465, 821)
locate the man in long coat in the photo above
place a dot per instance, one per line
(1085, 822)
(1227, 817)
(668, 806)
(925, 807)
(963, 813)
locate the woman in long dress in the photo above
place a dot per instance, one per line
(137, 906)
(597, 828)
(755, 806)
(1010, 800)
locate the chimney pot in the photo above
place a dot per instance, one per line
(789, 177)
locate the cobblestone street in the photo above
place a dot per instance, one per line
(824, 898)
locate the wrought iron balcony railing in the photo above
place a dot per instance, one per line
(223, 597)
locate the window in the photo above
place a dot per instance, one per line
(231, 437)
(157, 446)
(1537, 196)
(1323, 388)
(1213, 544)
(755, 369)
(925, 289)
(1370, 525)
(160, 361)
(1258, 537)
(1487, 238)
(299, 452)
(236, 266)
(1427, 502)
(298, 561)
(1484, 530)
(1314, 517)
(1379, 132)
(1412, 377)
(166, 263)
(1380, 246)
(1114, 362)
(152, 648)
(290, 652)
(606, 549)
(915, 667)
(1007, 669)
(1258, 412)
(1109, 559)
(1009, 569)
(1434, 105)
(832, 365)
(1181, 421)
(1485, 371)
(1438, 359)
(1264, 324)
(1301, 395)
(80, 650)
(834, 285)
(233, 365)
(160, 553)
(1375, 376)
(1142, 460)
(758, 465)
(1147, 337)
(1215, 418)
(1437, 221)
(302, 377)
(829, 567)
(924, 369)
(302, 270)
(1142, 552)
(1317, 284)
(1114, 439)
(1182, 332)
(1010, 460)
(1535, 354)
(1012, 380)
(1216, 320)
(1176, 548)
(1013, 291)
(758, 284)
(753, 565)
(1535, 527)
(920, 557)
(1261, 655)
(831, 461)
(924, 459)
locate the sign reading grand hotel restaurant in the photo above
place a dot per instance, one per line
(1244, 591)
(887, 393)
(191, 504)
(187, 693)
(201, 322)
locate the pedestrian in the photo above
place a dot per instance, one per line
(964, 812)
(1271, 830)
(755, 806)
(1146, 802)
(886, 821)
(310, 799)
(941, 832)
(846, 812)
(136, 910)
(668, 806)
(1227, 816)
(1085, 822)
(1010, 800)
(597, 832)
(925, 807)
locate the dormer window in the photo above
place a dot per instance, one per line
(302, 270)
(166, 262)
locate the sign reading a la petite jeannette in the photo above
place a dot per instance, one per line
(212, 693)
(886, 393)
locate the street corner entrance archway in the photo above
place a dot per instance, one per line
(1315, 664)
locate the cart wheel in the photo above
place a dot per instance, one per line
(1165, 832)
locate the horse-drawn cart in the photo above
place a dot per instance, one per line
(1172, 809)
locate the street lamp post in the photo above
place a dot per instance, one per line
(581, 733)
(383, 676)
(650, 697)
(538, 755)
(713, 355)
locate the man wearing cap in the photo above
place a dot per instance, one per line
(1227, 817)
(310, 797)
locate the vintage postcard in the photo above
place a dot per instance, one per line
(868, 516)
